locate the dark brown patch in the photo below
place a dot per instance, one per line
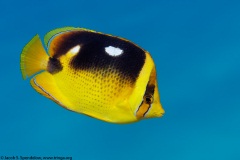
(54, 66)
(92, 55)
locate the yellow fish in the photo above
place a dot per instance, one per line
(96, 74)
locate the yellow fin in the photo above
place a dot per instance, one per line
(45, 84)
(33, 58)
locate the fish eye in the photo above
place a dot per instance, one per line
(148, 99)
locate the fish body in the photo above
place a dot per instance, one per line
(96, 74)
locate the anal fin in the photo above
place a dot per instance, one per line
(45, 84)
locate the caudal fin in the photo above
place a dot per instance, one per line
(33, 58)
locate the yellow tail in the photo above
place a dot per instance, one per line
(33, 58)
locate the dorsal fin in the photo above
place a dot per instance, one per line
(49, 37)
(53, 33)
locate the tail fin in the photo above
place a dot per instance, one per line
(33, 58)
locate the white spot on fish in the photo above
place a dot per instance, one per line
(113, 51)
(75, 49)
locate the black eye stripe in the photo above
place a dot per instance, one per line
(149, 90)
(148, 97)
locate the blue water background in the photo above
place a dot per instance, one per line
(196, 48)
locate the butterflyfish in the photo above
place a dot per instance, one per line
(103, 76)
